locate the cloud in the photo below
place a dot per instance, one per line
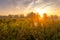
(28, 5)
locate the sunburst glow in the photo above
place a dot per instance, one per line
(40, 11)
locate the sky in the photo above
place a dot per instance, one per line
(24, 6)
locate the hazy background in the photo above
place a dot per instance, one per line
(25, 6)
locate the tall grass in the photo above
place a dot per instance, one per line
(24, 29)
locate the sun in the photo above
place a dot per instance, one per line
(40, 11)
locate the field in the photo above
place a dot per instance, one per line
(26, 29)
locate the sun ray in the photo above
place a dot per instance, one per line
(40, 11)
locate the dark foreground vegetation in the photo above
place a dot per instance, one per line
(29, 28)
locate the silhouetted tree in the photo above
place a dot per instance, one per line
(35, 17)
(44, 16)
(10, 16)
(16, 16)
(22, 16)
